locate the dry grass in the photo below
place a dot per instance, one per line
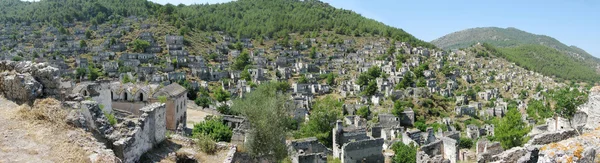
(40, 133)
(44, 110)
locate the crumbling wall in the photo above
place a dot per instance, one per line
(88, 116)
(591, 109)
(354, 136)
(551, 137)
(23, 82)
(450, 149)
(312, 158)
(104, 97)
(147, 132)
(432, 149)
(363, 151)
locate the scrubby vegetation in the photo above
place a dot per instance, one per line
(244, 18)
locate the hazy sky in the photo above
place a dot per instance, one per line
(573, 22)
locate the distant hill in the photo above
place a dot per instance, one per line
(241, 18)
(512, 39)
(545, 60)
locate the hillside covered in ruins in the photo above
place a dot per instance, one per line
(277, 81)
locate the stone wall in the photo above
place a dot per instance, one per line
(363, 151)
(148, 131)
(130, 107)
(551, 137)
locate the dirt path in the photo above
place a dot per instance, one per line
(33, 141)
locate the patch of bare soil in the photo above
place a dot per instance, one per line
(39, 134)
(177, 147)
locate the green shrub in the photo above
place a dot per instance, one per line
(111, 118)
(17, 58)
(206, 144)
(162, 99)
(213, 128)
(465, 143)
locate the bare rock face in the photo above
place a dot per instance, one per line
(23, 82)
(20, 88)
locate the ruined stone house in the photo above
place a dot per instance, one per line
(128, 99)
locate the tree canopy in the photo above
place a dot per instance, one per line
(242, 18)
(511, 130)
(325, 112)
(267, 109)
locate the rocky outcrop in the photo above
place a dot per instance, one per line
(23, 82)
(577, 149)
(20, 88)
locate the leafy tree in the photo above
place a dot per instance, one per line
(407, 81)
(224, 109)
(221, 95)
(404, 153)
(321, 121)
(331, 79)
(80, 72)
(281, 86)
(538, 111)
(140, 45)
(303, 80)
(93, 74)
(82, 44)
(267, 111)
(212, 57)
(371, 74)
(363, 112)
(214, 128)
(371, 89)
(511, 130)
(241, 61)
(88, 34)
(245, 75)
(202, 101)
(400, 106)
(421, 125)
(539, 87)
(567, 102)
(419, 70)
(112, 41)
(313, 53)
(465, 143)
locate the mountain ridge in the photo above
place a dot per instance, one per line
(512, 38)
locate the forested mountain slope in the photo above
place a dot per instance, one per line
(511, 40)
(547, 61)
(242, 18)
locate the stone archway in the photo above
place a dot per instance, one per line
(141, 97)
